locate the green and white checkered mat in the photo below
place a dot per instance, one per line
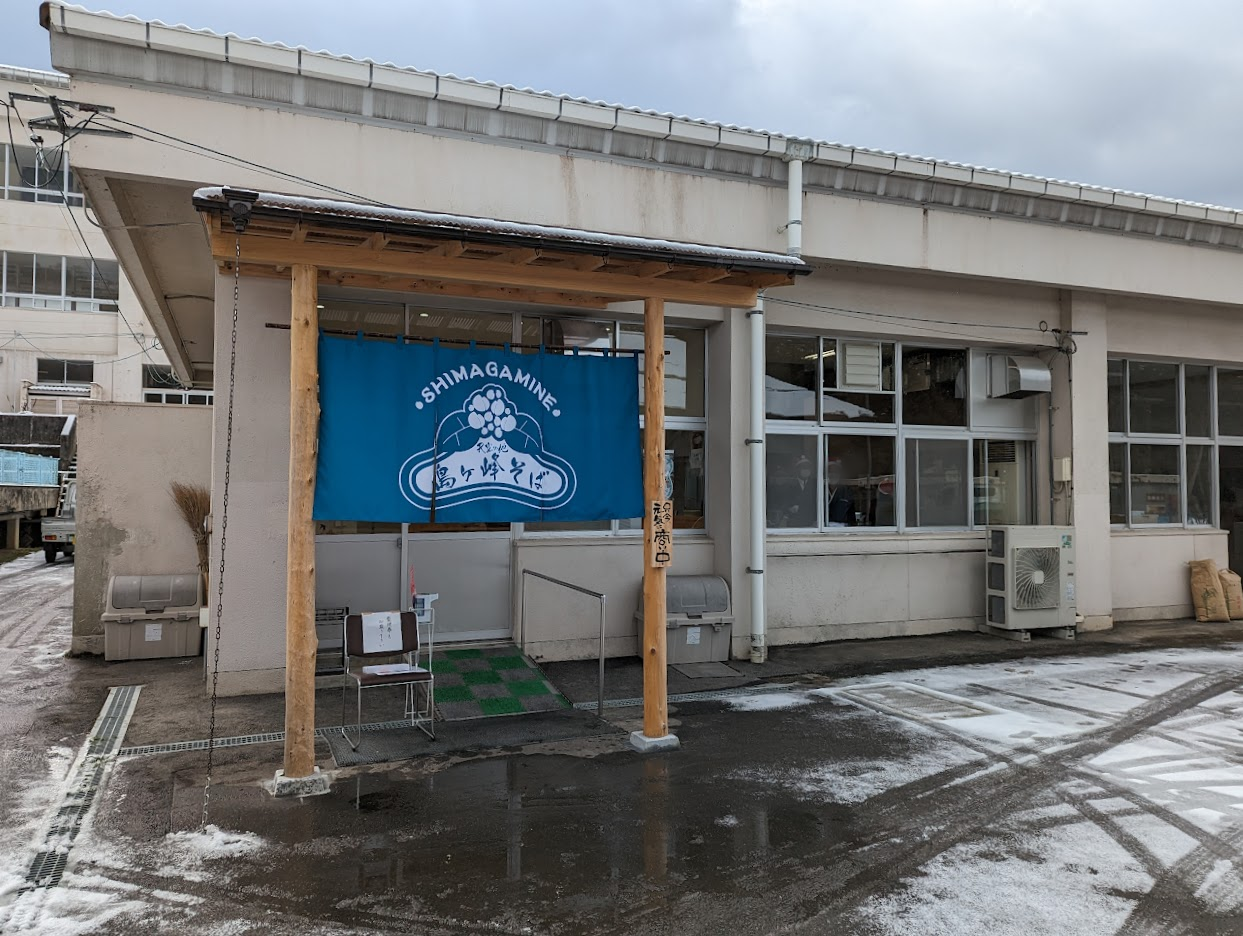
(476, 682)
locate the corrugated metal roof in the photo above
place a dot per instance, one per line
(33, 76)
(202, 43)
(467, 227)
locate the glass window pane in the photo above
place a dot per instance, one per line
(790, 469)
(859, 481)
(78, 277)
(684, 367)
(578, 333)
(22, 172)
(1230, 499)
(1200, 484)
(684, 464)
(79, 371)
(47, 275)
(50, 370)
(936, 483)
(20, 270)
(107, 279)
(1117, 396)
(1198, 414)
(1229, 401)
(1117, 483)
(843, 406)
(383, 318)
(1153, 391)
(934, 387)
(1154, 484)
(1002, 472)
(790, 377)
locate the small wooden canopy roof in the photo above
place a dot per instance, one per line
(378, 247)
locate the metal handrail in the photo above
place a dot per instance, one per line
(599, 596)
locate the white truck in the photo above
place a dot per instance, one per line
(58, 532)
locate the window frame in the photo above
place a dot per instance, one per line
(1179, 439)
(900, 432)
(14, 188)
(672, 423)
(60, 301)
(64, 372)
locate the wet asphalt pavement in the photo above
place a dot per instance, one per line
(1065, 796)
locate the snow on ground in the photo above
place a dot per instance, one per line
(1071, 879)
(768, 701)
(214, 842)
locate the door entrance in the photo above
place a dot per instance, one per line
(1230, 473)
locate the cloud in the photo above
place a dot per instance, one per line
(1135, 94)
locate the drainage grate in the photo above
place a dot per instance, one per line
(85, 780)
(270, 737)
(916, 702)
(712, 695)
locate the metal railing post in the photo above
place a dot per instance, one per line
(600, 688)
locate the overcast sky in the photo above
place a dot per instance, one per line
(1135, 94)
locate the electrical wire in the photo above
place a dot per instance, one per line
(906, 319)
(245, 162)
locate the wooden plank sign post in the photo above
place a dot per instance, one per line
(300, 639)
(657, 546)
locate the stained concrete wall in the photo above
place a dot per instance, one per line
(127, 523)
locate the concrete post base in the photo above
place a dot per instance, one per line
(12, 528)
(316, 784)
(645, 745)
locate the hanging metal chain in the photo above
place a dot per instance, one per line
(224, 525)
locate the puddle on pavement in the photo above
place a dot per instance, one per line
(522, 839)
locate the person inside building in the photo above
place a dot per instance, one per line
(798, 495)
(839, 501)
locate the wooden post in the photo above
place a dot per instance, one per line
(655, 702)
(300, 640)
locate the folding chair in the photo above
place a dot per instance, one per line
(407, 674)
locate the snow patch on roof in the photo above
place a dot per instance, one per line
(491, 226)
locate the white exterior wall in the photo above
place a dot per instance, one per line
(985, 274)
(100, 337)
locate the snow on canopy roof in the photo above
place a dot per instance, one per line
(466, 227)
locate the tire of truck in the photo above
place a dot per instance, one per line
(69, 551)
(49, 553)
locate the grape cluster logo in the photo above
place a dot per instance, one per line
(487, 450)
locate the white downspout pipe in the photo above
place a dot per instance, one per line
(759, 513)
(796, 152)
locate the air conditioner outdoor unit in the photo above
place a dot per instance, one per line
(1030, 581)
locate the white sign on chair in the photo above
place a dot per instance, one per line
(382, 632)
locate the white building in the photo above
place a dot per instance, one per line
(70, 327)
(926, 269)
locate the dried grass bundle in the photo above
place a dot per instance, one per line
(194, 504)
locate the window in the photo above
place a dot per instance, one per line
(1003, 484)
(875, 434)
(48, 281)
(160, 386)
(1157, 477)
(934, 387)
(26, 176)
(685, 408)
(56, 371)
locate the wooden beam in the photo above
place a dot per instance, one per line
(650, 268)
(519, 256)
(257, 249)
(447, 249)
(705, 275)
(586, 263)
(377, 241)
(298, 234)
(655, 681)
(438, 288)
(300, 640)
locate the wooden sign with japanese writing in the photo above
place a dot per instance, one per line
(660, 532)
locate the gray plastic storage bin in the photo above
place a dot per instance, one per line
(699, 616)
(153, 616)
